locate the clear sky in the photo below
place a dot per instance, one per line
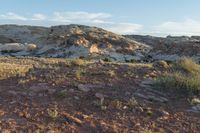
(154, 17)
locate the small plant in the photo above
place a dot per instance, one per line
(100, 103)
(131, 61)
(117, 104)
(111, 73)
(53, 113)
(107, 60)
(62, 94)
(132, 102)
(185, 84)
(161, 64)
(78, 73)
(78, 62)
(183, 77)
(186, 65)
(147, 131)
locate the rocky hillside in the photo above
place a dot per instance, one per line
(171, 48)
(71, 41)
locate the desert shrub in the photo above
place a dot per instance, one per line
(186, 65)
(78, 73)
(107, 60)
(78, 62)
(178, 82)
(131, 61)
(183, 77)
(161, 64)
(111, 73)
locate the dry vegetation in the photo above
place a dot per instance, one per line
(62, 95)
(183, 77)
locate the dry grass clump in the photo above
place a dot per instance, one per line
(183, 77)
(161, 64)
(181, 83)
(11, 69)
(77, 62)
(187, 65)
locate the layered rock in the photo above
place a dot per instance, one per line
(171, 48)
(72, 41)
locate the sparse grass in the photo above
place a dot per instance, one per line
(78, 73)
(107, 60)
(11, 69)
(132, 102)
(161, 64)
(147, 131)
(78, 62)
(53, 113)
(186, 65)
(117, 104)
(62, 94)
(101, 104)
(183, 77)
(111, 73)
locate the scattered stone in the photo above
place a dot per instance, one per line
(101, 61)
(13, 102)
(125, 107)
(140, 109)
(83, 88)
(99, 95)
(152, 97)
(195, 101)
(164, 113)
(77, 98)
(127, 93)
(70, 90)
(33, 94)
(51, 91)
(13, 92)
(39, 87)
(196, 108)
(72, 119)
(159, 99)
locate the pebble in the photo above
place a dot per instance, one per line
(12, 92)
(83, 88)
(99, 95)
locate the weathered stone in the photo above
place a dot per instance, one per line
(12, 92)
(99, 95)
(196, 108)
(39, 87)
(151, 97)
(83, 88)
(51, 91)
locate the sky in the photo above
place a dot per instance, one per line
(145, 17)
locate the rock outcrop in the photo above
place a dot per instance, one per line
(72, 41)
(171, 48)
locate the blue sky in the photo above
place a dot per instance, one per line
(154, 17)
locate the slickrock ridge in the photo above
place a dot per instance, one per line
(171, 48)
(71, 41)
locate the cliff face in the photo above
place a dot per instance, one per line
(70, 41)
